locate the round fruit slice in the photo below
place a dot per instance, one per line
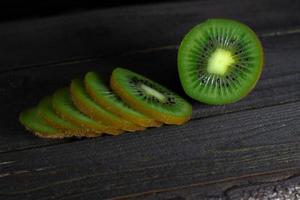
(64, 107)
(46, 111)
(97, 88)
(150, 98)
(32, 122)
(88, 106)
(220, 61)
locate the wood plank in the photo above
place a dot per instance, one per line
(201, 152)
(225, 190)
(279, 84)
(9, 11)
(287, 189)
(116, 30)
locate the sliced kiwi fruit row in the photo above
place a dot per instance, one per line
(219, 62)
(95, 106)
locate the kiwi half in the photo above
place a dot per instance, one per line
(32, 122)
(150, 98)
(47, 113)
(88, 106)
(64, 107)
(220, 61)
(98, 89)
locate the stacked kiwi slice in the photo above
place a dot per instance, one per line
(94, 106)
(220, 61)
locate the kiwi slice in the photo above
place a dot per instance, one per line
(98, 89)
(150, 97)
(64, 107)
(46, 111)
(88, 106)
(32, 122)
(220, 61)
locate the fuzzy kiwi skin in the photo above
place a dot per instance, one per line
(185, 81)
(89, 124)
(138, 119)
(47, 113)
(90, 131)
(37, 126)
(85, 104)
(136, 104)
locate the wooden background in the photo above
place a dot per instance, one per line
(224, 152)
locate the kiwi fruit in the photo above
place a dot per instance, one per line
(64, 107)
(97, 87)
(220, 61)
(150, 98)
(33, 123)
(47, 113)
(87, 105)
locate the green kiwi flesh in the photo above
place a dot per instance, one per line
(32, 122)
(150, 98)
(99, 90)
(46, 111)
(64, 107)
(88, 106)
(220, 61)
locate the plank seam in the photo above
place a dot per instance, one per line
(198, 118)
(142, 51)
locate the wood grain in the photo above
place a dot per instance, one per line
(220, 147)
(116, 30)
(224, 190)
(287, 189)
(201, 152)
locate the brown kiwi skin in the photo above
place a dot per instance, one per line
(146, 123)
(116, 122)
(40, 134)
(86, 133)
(67, 132)
(59, 135)
(93, 130)
(94, 116)
(152, 113)
(262, 63)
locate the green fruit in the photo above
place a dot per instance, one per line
(97, 88)
(64, 107)
(32, 122)
(220, 61)
(150, 98)
(47, 113)
(88, 106)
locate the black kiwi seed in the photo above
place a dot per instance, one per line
(220, 61)
(149, 97)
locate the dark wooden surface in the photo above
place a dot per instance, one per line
(224, 152)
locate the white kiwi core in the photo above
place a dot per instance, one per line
(152, 92)
(220, 61)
